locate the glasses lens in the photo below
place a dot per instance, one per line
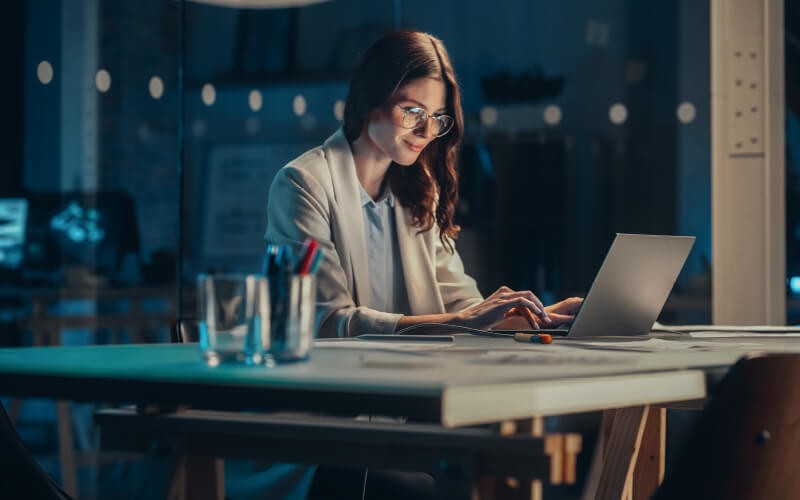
(414, 118)
(445, 124)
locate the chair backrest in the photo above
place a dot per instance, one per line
(20, 475)
(184, 330)
(746, 443)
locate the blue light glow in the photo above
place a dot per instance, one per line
(794, 284)
(79, 225)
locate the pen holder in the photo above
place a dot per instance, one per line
(234, 318)
(293, 301)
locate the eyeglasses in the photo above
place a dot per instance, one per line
(418, 117)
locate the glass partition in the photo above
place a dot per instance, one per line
(580, 123)
(582, 120)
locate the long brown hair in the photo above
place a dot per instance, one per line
(429, 187)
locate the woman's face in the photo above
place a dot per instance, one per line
(385, 124)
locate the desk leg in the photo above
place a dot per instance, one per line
(562, 449)
(162, 474)
(66, 448)
(205, 478)
(622, 433)
(649, 471)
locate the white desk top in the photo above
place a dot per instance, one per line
(474, 380)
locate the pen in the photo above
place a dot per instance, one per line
(315, 262)
(270, 259)
(306, 256)
(535, 338)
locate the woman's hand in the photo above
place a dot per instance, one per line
(493, 309)
(564, 312)
(560, 313)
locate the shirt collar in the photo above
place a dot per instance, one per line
(387, 197)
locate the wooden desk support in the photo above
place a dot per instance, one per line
(562, 449)
(630, 454)
(457, 457)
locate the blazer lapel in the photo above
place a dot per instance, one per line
(417, 269)
(345, 187)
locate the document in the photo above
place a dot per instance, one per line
(554, 355)
(661, 345)
(752, 329)
(750, 335)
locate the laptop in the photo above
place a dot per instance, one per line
(631, 287)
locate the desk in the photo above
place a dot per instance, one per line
(451, 387)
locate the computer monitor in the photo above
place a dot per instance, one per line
(95, 230)
(13, 223)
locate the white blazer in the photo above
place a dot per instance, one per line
(317, 196)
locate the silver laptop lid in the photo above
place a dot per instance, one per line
(632, 285)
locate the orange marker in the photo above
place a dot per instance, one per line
(534, 338)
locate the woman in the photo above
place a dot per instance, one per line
(379, 196)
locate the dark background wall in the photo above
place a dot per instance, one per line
(12, 34)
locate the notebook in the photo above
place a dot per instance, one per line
(631, 287)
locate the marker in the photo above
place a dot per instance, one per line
(306, 256)
(534, 338)
(271, 256)
(315, 262)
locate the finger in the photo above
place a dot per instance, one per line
(520, 301)
(542, 312)
(561, 318)
(571, 305)
(526, 313)
(532, 297)
(530, 317)
(503, 290)
(535, 300)
(526, 294)
(566, 306)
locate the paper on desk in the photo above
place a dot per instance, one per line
(753, 329)
(661, 345)
(727, 335)
(553, 355)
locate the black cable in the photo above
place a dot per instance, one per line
(467, 329)
(366, 472)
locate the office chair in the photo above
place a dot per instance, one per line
(746, 443)
(20, 475)
(184, 330)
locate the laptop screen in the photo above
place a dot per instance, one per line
(13, 220)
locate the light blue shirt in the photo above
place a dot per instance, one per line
(385, 268)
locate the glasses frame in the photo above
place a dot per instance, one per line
(425, 117)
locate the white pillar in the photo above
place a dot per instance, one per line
(747, 156)
(79, 56)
